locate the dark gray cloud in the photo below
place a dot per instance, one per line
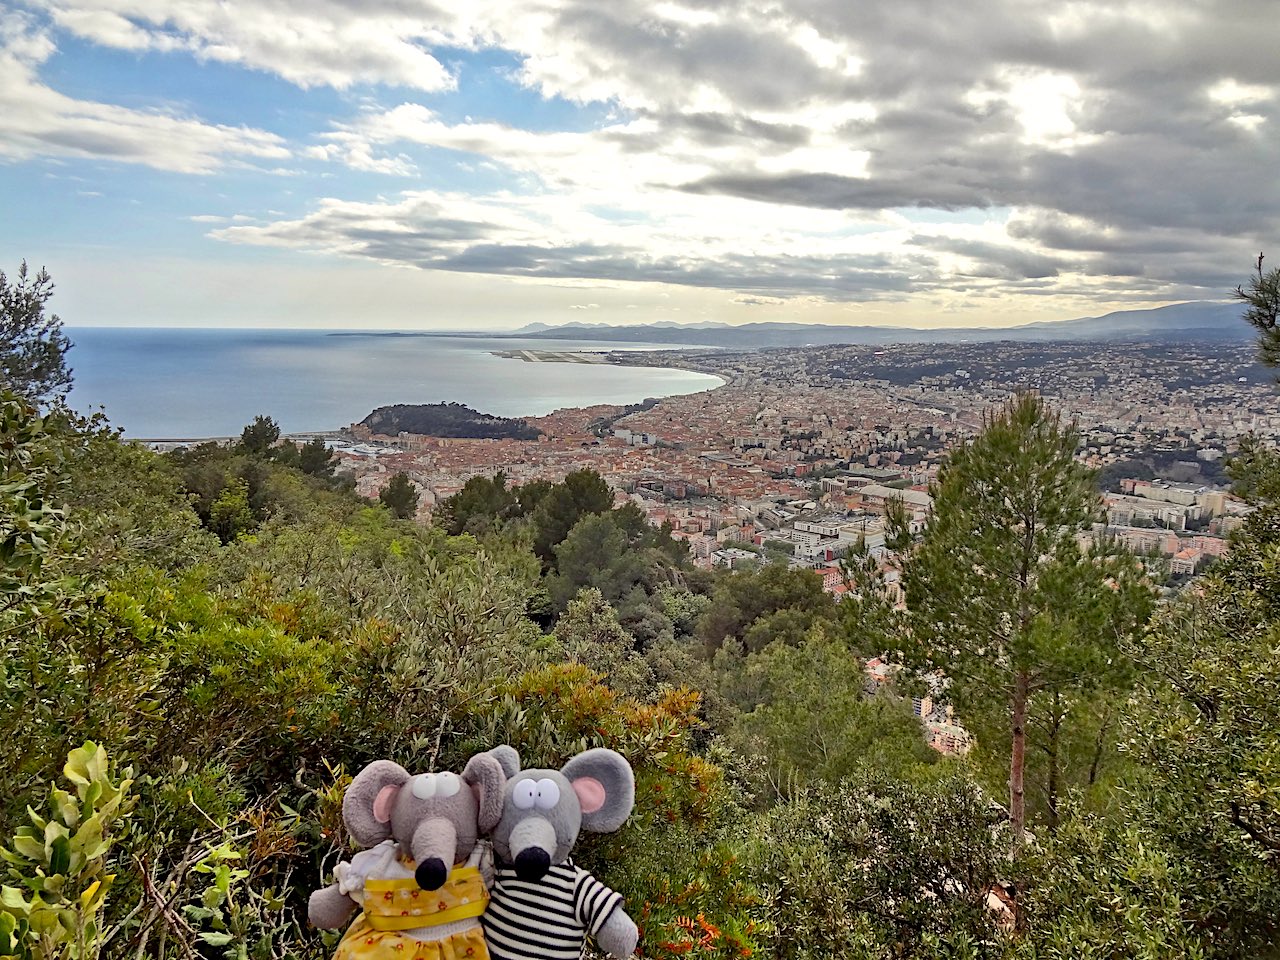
(423, 238)
(1135, 143)
(1003, 262)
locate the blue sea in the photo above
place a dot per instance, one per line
(186, 384)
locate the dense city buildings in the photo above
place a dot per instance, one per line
(801, 451)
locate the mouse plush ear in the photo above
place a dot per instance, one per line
(487, 779)
(605, 786)
(367, 804)
(507, 758)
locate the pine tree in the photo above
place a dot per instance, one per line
(1004, 599)
(1263, 297)
(400, 496)
(258, 436)
(33, 348)
(315, 458)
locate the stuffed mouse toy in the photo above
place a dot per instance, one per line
(542, 906)
(419, 883)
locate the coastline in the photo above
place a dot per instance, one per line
(175, 384)
(617, 358)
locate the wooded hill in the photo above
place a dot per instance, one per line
(454, 420)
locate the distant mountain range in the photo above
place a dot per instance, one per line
(1180, 321)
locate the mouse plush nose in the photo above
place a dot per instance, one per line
(435, 851)
(431, 874)
(532, 863)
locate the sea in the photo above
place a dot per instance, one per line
(169, 383)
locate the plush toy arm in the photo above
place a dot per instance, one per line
(618, 935)
(330, 908)
(482, 859)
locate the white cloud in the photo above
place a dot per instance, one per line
(39, 121)
(1237, 97)
(321, 44)
(1233, 93)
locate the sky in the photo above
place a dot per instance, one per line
(476, 164)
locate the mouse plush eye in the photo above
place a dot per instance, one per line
(447, 784)
(548, 794)
(424, 786)
(524, 793)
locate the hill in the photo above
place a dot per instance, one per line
(454, 420)
(1179, 321)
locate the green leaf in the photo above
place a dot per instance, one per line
(67, 806)
(29, 847)
(11, 900)
(60, 855)
(216, 939)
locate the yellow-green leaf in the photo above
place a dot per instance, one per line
(11, 899)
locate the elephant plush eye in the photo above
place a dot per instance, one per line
(447, 784)
(524, 793)
(548, 794)
(424, 786)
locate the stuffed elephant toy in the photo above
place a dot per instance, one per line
(420, 877)
(542, 907)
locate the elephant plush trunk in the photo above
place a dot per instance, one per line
(434, 847)
(533, 842)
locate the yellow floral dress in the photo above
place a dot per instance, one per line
(400, 921)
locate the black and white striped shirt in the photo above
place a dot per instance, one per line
(545, 919)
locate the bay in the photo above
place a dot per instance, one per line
(170, 383)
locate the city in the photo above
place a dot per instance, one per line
(802, 448)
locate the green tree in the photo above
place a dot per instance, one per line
(596, 553)
(1004, 601)
(811, 719)
(130, 505)
(230, 514)
(258, 436)
(1104, 887)
(767, 603)
(60, 862)
(1262, 295)
(1204, 728)
(477, 508)
(316, 459)
(33, 348)
(874, 866)
(400, 496)
(583, 492)
(591, 635)
(31, 522)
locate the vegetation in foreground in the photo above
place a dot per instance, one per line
(199, 648)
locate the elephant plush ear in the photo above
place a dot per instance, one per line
(367, 804)
(487, 779)
(605, 786)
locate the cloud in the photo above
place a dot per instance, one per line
(333, 44)
(534, 237)
(814, 148)
(39, 121)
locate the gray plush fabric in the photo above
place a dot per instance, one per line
(436, 819)
(329, 908)
(542, 815)
(618, 935)
(507, 758)
(612, 772)
(486, 776)
(561, 823)
(357, 803)
(599, 767)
